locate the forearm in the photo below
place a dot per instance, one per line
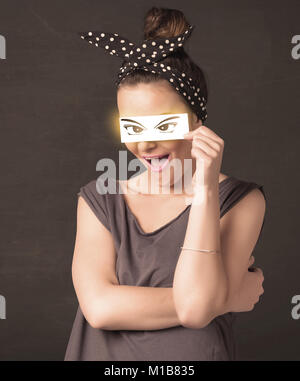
(200, 282)
(138, 308)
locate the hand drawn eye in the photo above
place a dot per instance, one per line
(165, 127)
(135, 129)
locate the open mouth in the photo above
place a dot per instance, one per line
(158, 163)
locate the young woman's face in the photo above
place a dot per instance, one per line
(155, 99)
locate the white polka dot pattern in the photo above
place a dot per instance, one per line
(147, 56)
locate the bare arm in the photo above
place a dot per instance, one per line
(206, 284)
(104, 303)
(140, 308)
(240, 230)
(200, 282)
(205, 277)
(108, 305)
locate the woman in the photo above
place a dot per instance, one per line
(147, 290)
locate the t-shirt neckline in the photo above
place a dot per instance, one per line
(142, 232)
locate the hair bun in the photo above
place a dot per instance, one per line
(164, 22)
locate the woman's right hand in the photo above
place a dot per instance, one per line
(250, 291)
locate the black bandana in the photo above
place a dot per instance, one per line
(146, 56)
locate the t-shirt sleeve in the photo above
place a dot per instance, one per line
(239, 191)
(96, 202)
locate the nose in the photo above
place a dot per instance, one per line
(147, 146)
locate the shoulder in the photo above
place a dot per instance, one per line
(241, 226)
(223, 176)
(255, 198)
(252, 202)
(100, 187)
(239, 188)
(254, 194)
(246, 201)
(96, 197)
(92, 193)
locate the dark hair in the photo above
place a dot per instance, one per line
(164, 22)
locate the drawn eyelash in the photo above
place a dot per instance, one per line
(167, 124)
(133, 126)
(127, 126)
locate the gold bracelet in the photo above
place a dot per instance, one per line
(205, 251)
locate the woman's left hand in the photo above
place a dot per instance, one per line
(207, 149)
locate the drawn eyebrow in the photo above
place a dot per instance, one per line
(172, 117)
(130, 120)
(134, 121)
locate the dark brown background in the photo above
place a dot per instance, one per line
(56, 100)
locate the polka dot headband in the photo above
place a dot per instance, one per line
(147, 56)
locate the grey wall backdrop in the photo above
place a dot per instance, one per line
(56, 100)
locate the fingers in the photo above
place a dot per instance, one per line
(258, 271)
(208, 140)
(206, 144)
(206, 132)
(251, 260)
(261, 290)
(199, 153)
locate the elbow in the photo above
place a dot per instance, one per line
(94, 320)
(97, 317)
(199, 315)
(192, 319)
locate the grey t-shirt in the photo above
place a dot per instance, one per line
(149, 259)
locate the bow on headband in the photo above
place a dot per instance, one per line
(122, 47)
(146, 56)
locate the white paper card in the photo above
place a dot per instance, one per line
(153, 127)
